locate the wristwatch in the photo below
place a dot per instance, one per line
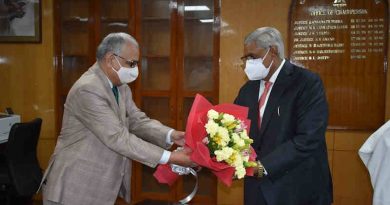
(260, 169)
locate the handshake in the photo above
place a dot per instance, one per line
(217, 139)
(181, 156)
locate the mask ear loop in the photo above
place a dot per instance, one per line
(112, 67)
(118, 61)
(266, 56)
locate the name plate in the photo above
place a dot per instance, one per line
(345, 41)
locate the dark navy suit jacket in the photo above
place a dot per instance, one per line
(291, 141)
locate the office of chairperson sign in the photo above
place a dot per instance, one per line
(345, 41)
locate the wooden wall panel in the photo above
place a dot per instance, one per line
(27, 82)
(351, 181)
(238, 20)
(231, 195)
(350, 140)
(329, 137)
(348, 50)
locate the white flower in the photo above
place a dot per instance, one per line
(237, 161)
(235, 137)
(223, 133)
(240, 172)
(229, 140)
(223, 154)
(211, 127)
(212, 114)
(244, 135)
(245, 158)
(240, 143)
(227, 118)
(237, 140)
(238, 127)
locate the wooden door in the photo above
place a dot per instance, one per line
(180, 52)
(155, 90)
(197, 73)
(80, 26)
(74, 38)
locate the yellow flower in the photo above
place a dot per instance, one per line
(235, 159)
(229, 141)
(223, 154)
(222, 137)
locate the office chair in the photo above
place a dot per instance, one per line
(20, 174)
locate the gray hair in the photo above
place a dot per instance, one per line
(114, 42)
(265, 37)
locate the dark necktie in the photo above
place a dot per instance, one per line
(116, 94)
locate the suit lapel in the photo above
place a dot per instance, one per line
(121, 102)
(104, 80)
(282, 82)
(253, 104)
(251, 99)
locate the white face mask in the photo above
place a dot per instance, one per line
(126, 75)
(255, 69)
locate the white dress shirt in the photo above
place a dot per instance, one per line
(262, 86)
(261, 90)
(375, 154)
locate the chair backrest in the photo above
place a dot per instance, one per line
(21, 155)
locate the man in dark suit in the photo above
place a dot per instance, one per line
(289, 113)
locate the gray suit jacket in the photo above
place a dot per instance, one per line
(90, 164)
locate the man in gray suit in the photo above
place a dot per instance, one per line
(103, 131)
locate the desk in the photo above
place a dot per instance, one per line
(6, 122)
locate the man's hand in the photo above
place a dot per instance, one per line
(182, 158)
(178, 138)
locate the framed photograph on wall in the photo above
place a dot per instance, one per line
(20, 21)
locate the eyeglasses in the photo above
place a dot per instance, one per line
(248, 57)
(252, 56)
(130, 63)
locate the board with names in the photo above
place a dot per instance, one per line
(345, 41)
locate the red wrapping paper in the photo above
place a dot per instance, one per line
(196, 132)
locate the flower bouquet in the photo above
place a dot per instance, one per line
(218, 138)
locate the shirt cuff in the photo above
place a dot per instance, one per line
(265, 172)
(168, 138)
(165, 157)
